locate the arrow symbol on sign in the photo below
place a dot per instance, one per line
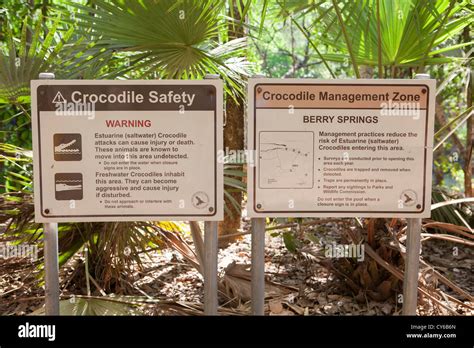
(199, 200)
(407, 198)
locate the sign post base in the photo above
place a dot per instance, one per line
(258, 266)
(210, 268)
(412, 266)
(51, 268)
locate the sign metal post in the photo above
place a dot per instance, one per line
(51, 263)
(210, 268)
(258, 266)
(258, 261)
(412, 266)
(412, 259)
(211, 256)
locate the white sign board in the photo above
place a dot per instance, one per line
(127, 150)
(340, 148)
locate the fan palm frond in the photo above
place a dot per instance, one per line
(56, 49)
(168, 39)
(390, 33)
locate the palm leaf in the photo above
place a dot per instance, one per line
(412, 32)
(165, 39)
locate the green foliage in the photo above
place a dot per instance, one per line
(111, 306)
(96, 306)
(124, 38)
(113, 248)
(233, 182)
(18, 164)
(281, 47)
(46, 45)
(461, 214)
(166, 39)
(409, 33)
(290, 241)
(450, 154)
(53, 49)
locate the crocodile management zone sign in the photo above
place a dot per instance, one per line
(127, 150)
(341, 148)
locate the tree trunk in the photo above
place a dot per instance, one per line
(233, 140)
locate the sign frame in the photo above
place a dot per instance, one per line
(254, 83)
(216, 201)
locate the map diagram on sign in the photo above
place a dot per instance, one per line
(286, 159)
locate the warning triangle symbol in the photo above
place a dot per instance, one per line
(59, 98)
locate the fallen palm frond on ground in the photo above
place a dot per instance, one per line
(235, 285)
(235, 282)
(133, 305)
(366, 277)
(378, 277)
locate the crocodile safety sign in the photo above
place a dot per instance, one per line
(341, 148)
(127, 150)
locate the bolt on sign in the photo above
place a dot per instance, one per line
(340, 148)
(127, 150)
